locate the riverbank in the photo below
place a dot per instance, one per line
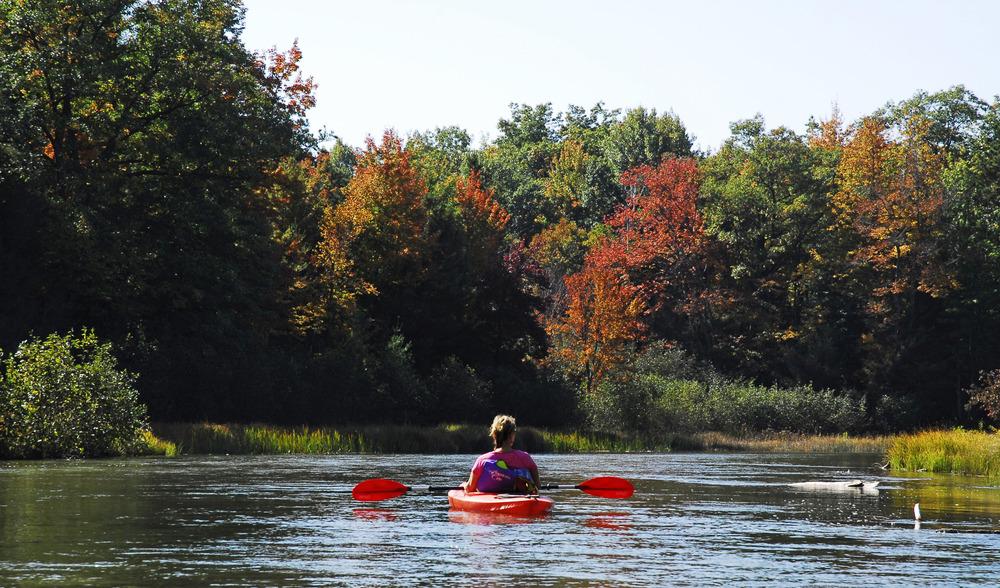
(233, 439)
(942, 451)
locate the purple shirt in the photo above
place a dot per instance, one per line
(515, 459)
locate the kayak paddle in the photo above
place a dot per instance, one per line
(382, 489)
(603, 486)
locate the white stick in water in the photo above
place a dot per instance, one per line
(916, 511)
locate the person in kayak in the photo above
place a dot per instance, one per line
(504, 469)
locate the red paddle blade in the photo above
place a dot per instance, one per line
(608, 487)
(378, 489)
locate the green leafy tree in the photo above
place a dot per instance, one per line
(136, 139)
(766, 209)
(566, 183)
(954, 116)
(600, 192)
(441, 156)
(644, 137)
(972, 217)
(517, 165)
(528, 125)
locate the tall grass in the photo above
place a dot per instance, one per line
(208, 438)
(156, 446)
(956, 451)
(783, 443)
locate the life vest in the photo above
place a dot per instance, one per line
(497, 477)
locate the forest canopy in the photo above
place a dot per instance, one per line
(160, 185)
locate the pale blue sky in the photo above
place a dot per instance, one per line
(417, 65)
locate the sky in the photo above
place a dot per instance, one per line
(418, 65)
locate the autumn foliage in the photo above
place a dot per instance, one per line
(484, 219)
(891, 195)
(640, 266)
(281, 72)
(601, 324)
(892, 192)
(373, 240)
(659, 229)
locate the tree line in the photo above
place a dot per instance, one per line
(159, 183)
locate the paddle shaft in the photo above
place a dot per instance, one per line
(423, 488)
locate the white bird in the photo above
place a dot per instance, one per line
(916, 511)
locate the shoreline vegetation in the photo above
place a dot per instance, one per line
(250, 439)
(974, 453)
(940, 451)
(258, 439)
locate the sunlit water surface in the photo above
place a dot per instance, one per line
(696, 519)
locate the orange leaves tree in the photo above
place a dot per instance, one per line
(419, 283)
(891, 195)
(892, 192)
(370, 267)
(374, 242)
(482, 217)
(602, 323)
(491, 313)
(301, 191)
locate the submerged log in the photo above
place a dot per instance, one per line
(842, 486)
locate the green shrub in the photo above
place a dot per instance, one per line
(667, 390)
(673, 363)
(625, 405)
(741, 407)
(64, 396)
(401, 393)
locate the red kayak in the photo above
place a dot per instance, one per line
(510, 504)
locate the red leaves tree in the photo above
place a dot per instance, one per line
(659, 230)
(284, 80)
(646, 264)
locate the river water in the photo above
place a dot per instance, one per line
(696, 519)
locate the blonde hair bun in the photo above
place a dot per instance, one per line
(502, 428)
